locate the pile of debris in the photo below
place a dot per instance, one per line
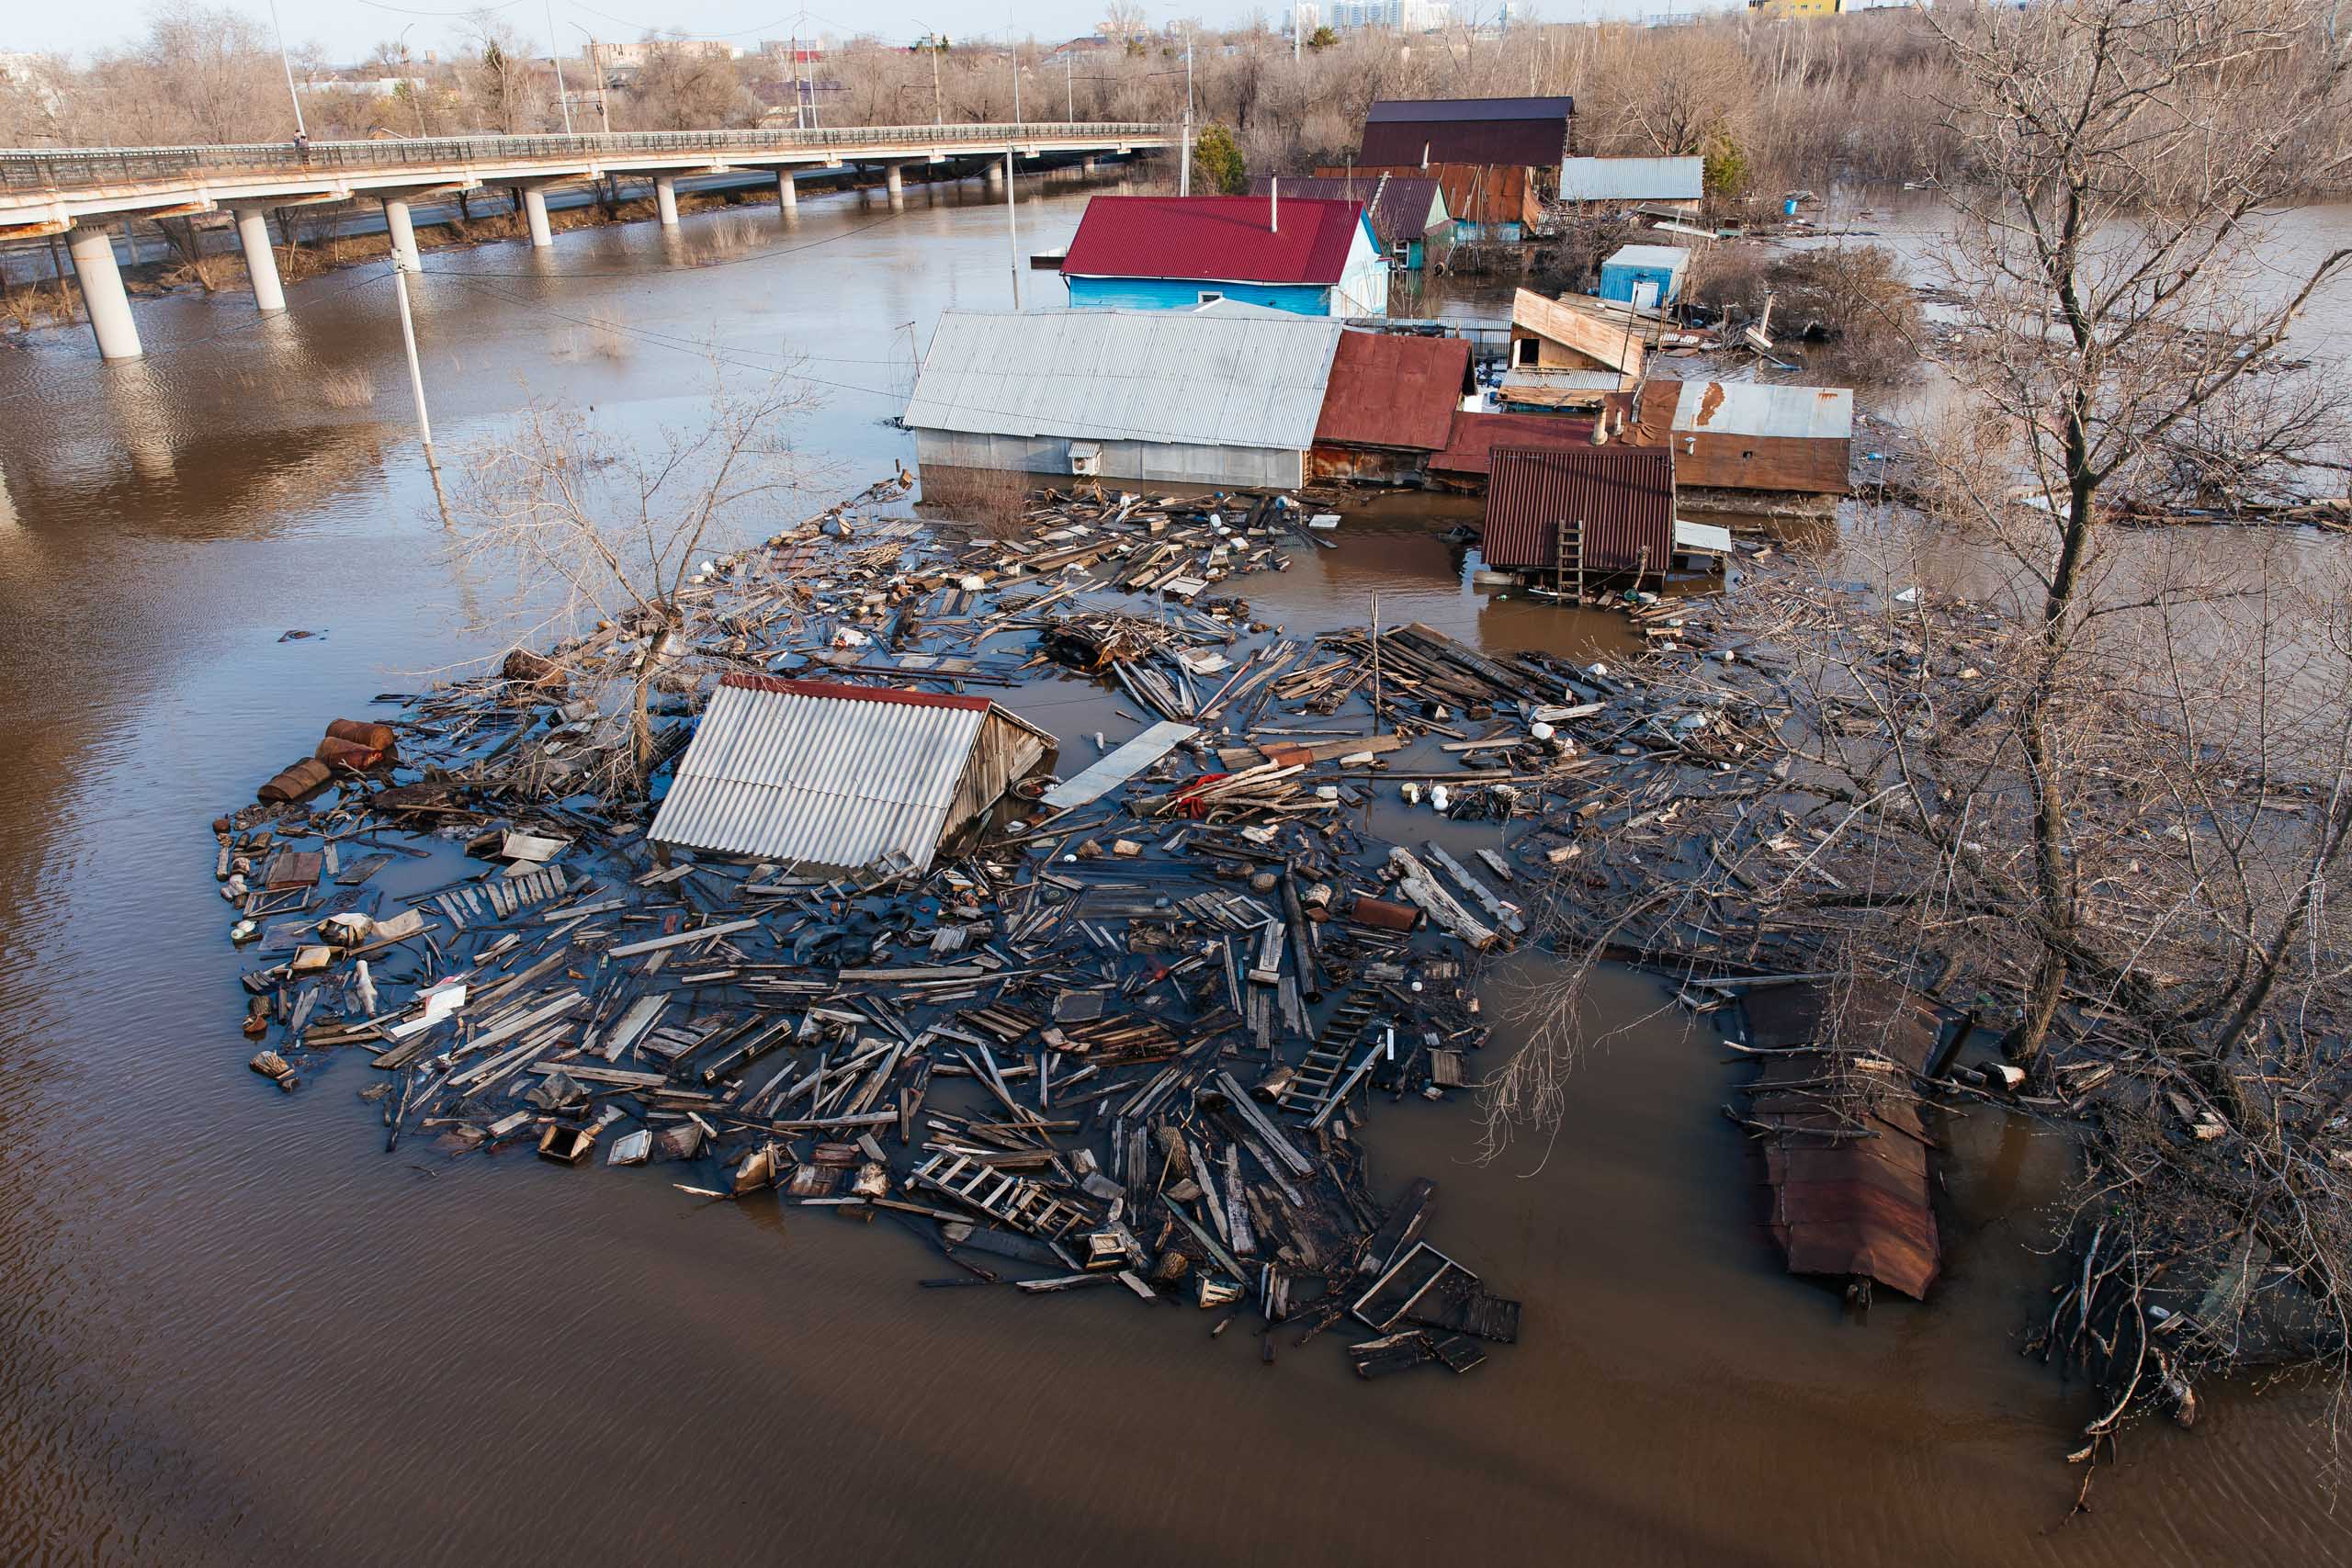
(1117, 1029)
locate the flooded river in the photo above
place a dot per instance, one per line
(231, 1329)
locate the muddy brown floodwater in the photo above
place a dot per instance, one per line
(232, 1330)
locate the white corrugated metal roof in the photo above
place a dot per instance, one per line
(1751, 408)
(1633, 179)
(1217, 379)
(1673, 257)
(819, 779)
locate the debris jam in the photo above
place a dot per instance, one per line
(861, 952)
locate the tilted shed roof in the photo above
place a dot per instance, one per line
(1622, 496)
(825, 774)
(1203, 379)
(1633, 179)
(1469, 446)
(1752, 408)
(1673, 258)
(1388, 389)
(1214, 239)
(1404, 207)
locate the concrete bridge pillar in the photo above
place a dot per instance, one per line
(101, 292)
(665, 198)
(894, 180)
(261, 261)
(996, 174)
(787, 195)
(402, 233)
(534, 209)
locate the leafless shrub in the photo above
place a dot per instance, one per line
(995, 501)
(348, 388)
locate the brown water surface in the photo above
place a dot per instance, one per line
(232, 1329)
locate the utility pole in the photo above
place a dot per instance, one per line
(1069, 86)
(1011, 226)
(938, 104)
(275, 27)
(1296, 11)
(1016, 84)
(416, 375)
(1184, 167)
(555, 58)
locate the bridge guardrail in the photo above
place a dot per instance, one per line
(71, 168)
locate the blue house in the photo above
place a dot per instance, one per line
(1310, 257)
(1647, 276)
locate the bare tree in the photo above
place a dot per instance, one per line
(682, 87)
(604, 534)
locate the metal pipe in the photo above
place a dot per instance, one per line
(415, 374)
(289, 66)
(1012, 235)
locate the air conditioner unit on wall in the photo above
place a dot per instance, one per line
(1085, 458)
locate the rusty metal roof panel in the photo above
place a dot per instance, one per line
(820, 774)
(1206, 378)
(1392, 390)
(1470, 445)
(1623, 497)
(1752, 408)
(1529, 133)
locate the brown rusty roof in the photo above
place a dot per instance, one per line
(1467, 131)
(1623, 497)
(1392, 390)
(1469, 446)
(1847, 1162)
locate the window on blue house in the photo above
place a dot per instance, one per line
(1210, 297)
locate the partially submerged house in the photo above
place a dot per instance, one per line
(817, 775)
(1408, 210)
(1389, 405)
(1229, 396)
(1745, 434)
(1156, 252)
(1467, 456)
(1486, 201)
(1649, 278)
(1578, 512)
(1521, 132)
(1570, 333)
(1678, 182)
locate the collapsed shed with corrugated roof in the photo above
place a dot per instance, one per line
(1748, 435)
(1846, 1156)
(1389, 405)
(1579, 509)
(820, 775)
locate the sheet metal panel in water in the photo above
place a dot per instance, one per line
(1204, 379)
(1624, 496)
(821, 774)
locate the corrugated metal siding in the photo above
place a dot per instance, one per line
(1157, 462)
(1145, 376)
(1388, 390)
(1751, 408)
(1633, 179)
(1624, 496)
(823, 780)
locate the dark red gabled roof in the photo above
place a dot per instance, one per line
(1388, 390)
(1214, 239)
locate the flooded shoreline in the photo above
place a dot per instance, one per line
(235, 1330)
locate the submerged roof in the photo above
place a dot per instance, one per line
(1388, 389)
(1752, 408)
(1474, 436)
(1622, 496)
(1403, 206)
(1633, 179)
(1214, 239)
(1206, 379)
(1526, 131)
(819, 773)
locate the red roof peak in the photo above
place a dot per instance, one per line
(1214, 239)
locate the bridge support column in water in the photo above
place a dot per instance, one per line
(402, 232)
(787, 195)
(894, 180)
(534, 209)
(665, 198)
(101, 292)
(261, 262)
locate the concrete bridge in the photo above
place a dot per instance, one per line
(74, 191)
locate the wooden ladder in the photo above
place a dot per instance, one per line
(1332, 1065)
(1010, 1200)
(1571, 560)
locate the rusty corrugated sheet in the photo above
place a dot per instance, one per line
(1528, 132)
(1624, 496)
(1475, 193)
(1844, 1205)
(1469, 446)
(1391, 390)
(817, 773)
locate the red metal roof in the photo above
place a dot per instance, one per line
(840, 692)
(1214, 239)
(1623, 495)
(1474, 435)
(1391, 390)
(1529, 133)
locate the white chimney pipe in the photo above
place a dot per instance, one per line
(1275, 204)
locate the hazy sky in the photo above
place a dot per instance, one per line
(349, 29)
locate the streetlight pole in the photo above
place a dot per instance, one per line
(938, 104)
(300, 130)
(555, 58)
(1016, 84)
(1012, 228)
(1069, 86)
(596, 63)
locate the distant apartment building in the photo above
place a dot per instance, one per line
(1398, 16)
(634, 56)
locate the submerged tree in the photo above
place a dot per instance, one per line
(603, 531)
